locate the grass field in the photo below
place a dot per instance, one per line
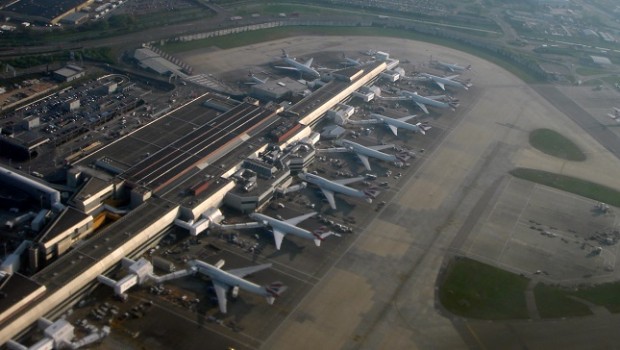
(553, 302)
(555, 144)
(556, 302)
(604, 295)
(476, 290)
(264, 35)
(570, 184)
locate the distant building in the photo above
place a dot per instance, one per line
(30, 122)
(148, 59)
(74, 18)
(69, 73)
(600, 61)
(278, 89)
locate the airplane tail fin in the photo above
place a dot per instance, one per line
(284, 53)
(371, 193)
(422, 127)
(321, 234)
(468, 67)
(274, 290)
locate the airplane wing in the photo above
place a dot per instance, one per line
(422, 107)
(394, 129)
(333, 150)
(364, 160)
(365, 121)
(308, 63)
(296, 220)
(244, 271)
(220, 292)
(330, 197)
(437, 97)
(349, 181)
(440, 84)
(293, 69)
(394, 98)
(381, 147)
(278, 236)
(452, 77)
(404, 119)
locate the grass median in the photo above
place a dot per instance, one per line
(570, 184)
(555, 144)
(476, 290)
(555, 302)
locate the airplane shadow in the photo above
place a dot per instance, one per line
(288, 248)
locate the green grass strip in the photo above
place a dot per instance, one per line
(570, 184)
(554, 302)
(606, 295)
(555, 144)
(476, 290)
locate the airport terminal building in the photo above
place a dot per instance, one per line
(211, 151)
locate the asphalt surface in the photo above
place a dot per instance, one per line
(582, 118)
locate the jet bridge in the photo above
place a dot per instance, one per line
(60, 335)
(140, 272)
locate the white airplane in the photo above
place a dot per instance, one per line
(350, 62)
(299, 67)
(452, 67)
(254, 80)
(394, 124)
(224, 280)
(443, 81)
(421, 101)
(283, 227)
(363, 152)
(329, 187)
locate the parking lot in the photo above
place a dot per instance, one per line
(537, 230)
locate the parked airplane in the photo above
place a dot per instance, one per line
(283, 227)
(254, 80)
(421, 101)
(329, 187)
(350, 62)
(443, 81)
(394, 124)
(452, 67)
(301, 68)
(223, 280)
(363, 152)
(615, 115)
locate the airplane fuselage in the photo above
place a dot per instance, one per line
(357, 148)
(282, 226)
(424, 100)
(227, 278)
(397, 123)
(445, 81)
(301, 67)
(332, 186)
(451, 67)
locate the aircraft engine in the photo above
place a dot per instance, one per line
(234, 292)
